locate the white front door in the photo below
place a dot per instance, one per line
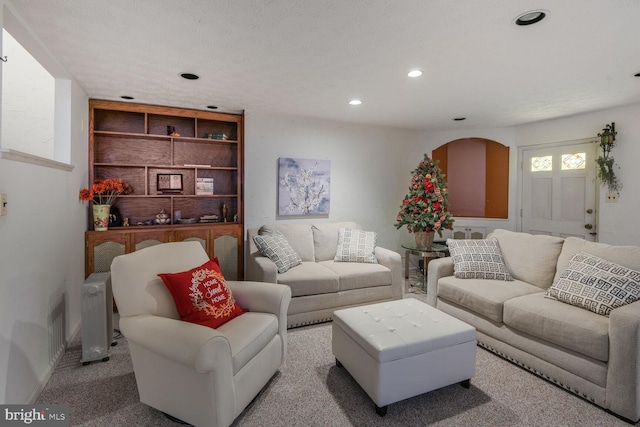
(559, 190)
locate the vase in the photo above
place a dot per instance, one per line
(224, 212)
(424, 240)
(101, 217)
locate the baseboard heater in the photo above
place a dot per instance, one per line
(97, 318)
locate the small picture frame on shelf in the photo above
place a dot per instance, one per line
(170, 183)
(204, 186)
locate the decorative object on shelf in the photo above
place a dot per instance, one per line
(125, 222)
(177, 215)
(204, 186)
(209, 218)
(103, 193)
(115, 220)
(303, 186)
(101, 217)
(224, 211)
(606, 175)
(169, 183)
(424, 209)
(171, 131)
(187, 221)
(222, 136)
(162, 217)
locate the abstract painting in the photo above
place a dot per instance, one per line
(303, 186)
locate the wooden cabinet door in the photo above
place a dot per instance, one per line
(198, 234)
(227, 247)
(144, 238)
(101, 248)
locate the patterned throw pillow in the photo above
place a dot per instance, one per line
(356, 246)
(595, 284)
(277, 249)
(202, 296)
(478, 259)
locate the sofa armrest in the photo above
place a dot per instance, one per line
(623, 374)
(393, 261)
(261, 269)
(195, 346)
(439, 267)
(265, 298)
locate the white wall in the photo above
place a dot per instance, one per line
(504, 136)
(371, 166)
(618, 223)
(41, 259)
(370, 172)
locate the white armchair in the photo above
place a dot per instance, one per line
(200, 375)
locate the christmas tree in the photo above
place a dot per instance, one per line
(425, 207)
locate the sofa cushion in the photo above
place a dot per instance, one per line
(299, 236)
(354, 275)
(356, 246)
(310, 278)
(477, 259)
(628, 256)
(484, 297)
(569, 327)
(596, 284)
(277, 249)
(325, 238)
(530, 258)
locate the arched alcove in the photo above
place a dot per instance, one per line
(477, 174)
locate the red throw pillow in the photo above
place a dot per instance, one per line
(202, 296)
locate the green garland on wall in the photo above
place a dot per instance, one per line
(606, 173)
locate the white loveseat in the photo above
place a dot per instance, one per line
(319, 285)
(592, 355)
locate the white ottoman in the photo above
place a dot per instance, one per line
(403, 348)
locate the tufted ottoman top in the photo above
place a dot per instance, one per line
(399, 329)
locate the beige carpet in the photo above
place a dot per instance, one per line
(309, 390)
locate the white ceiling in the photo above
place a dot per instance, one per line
(310, 57)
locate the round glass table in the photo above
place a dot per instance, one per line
(437, 250)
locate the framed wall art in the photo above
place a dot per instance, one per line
(169, 182)
(303, 186)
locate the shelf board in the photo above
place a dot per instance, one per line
(167, 138)
(151, 196)
(139, 165)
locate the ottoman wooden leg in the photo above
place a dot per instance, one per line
(381, 411)
(466, 383)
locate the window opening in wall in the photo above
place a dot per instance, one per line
(541, 164)
(28, 102)
(573, 161)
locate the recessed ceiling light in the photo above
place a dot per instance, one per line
(126, 97)
(212, 107)
(414, 73)
(189, 76)
(531, 17)
(459, 119)
(355, 102)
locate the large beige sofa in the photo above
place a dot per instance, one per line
(594, 356)
(320, 285)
